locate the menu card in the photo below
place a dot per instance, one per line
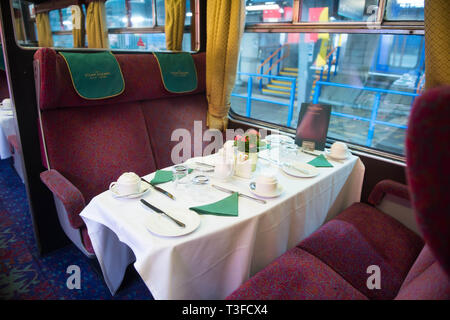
(312, 126)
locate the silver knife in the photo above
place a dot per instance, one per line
(168, 194)
(181, 224)
(239, 194)
(310, 152)
(204, 164)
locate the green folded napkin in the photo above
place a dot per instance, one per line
(224, 207)
(162, 176)
(320, 161)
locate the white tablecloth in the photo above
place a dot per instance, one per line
(6, 129)
(223, 252)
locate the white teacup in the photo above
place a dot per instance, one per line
(339, 150)
(128, 183)
(266, 185)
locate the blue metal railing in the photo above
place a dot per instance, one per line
(278, 58)
(250, 98)
(376, 104)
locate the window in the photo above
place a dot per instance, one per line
(132, 24)
(370, 78)
(258, 11)
(336, 11)
(405, 9)
(61, 19)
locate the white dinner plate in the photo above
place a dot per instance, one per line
(275, 194)
(313, 171)
(161, 225)
(144, 188)
(328, 153)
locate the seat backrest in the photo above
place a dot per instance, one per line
(92, 142)
(428, 172)
(428, 175)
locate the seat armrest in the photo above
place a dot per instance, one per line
(67, 193)
(388, 187)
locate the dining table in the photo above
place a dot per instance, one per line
(6, 129)
(215, 254)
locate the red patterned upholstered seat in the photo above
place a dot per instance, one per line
(87, 144)
(297, 274)
(362, 235)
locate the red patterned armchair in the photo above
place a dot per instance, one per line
(86, 144)
(335, 261)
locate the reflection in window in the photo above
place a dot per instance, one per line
(63, 41)
(116, 14)
(370, 81)
(141, 14)
(405, 9)
(258, 11)
(339, 10)
(61, 19)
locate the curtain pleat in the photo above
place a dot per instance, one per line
(45, 38)
(96, 28)
(437, 43)
(78, 27)
(225, 25)
(174, 24)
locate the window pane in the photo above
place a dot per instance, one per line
(187, 21)
(63, 41)
(60, 20)
(370, 80)
(258, 11)
(405, 10)
(339, 10)
(141, 13)
(116, 14)
(145, 42)
(160, 12)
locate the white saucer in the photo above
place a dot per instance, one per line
(296, 173)
(144, 188)
(163, 226)
(328, 153)
(275, 194)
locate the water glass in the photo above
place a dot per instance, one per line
(288, 150)
(180, 175)
(199, 188)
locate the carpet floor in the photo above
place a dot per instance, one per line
(24, 274)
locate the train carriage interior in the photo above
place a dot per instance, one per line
(224, 150)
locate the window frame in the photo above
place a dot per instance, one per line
(380, 26)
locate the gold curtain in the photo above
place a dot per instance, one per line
(18, 26)
(78, 28)
(96, 28)
(45, 38)
(437, 43)
(225, 25)
(174, 25)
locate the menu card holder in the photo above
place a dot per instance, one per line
(312, 126)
